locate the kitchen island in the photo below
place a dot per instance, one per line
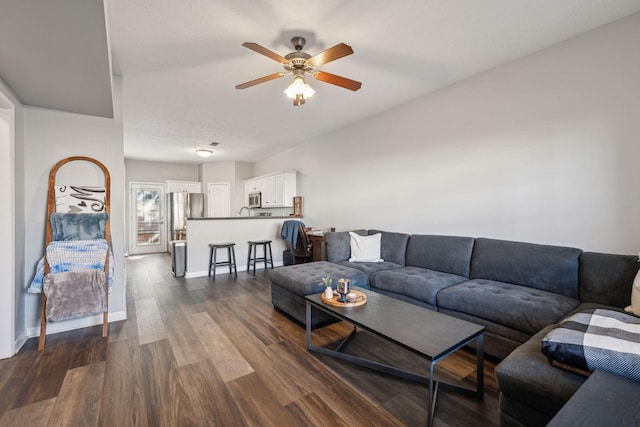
(239, 230)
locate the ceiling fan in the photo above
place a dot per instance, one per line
(300, 63)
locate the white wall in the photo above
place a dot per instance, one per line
(7, 228)
(7, 249)
(49, 137)
(145, 171)
(543, 149)
(12, 153)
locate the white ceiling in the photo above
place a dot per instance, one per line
(180, 61)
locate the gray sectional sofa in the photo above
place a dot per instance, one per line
(531, 390)
(516, 290)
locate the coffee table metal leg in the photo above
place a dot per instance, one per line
(433, 392)
(480, 366)
(344, 343)
(308, 318)
(310, 346)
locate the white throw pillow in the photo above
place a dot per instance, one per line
(365, 248)
(635, 295)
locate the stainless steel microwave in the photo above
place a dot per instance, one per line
(255, 200)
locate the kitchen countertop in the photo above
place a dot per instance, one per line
(244, 217)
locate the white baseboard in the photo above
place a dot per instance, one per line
(19, 342)
(68, 325)
(225, 270)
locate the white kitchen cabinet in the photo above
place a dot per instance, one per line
(278, 185)
(251, 186)
(247, 190)
(277, 189)
(184, 186)
(269, 192)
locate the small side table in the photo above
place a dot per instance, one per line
(319, 251)
(603, 400)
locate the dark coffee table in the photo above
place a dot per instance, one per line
(427, 333)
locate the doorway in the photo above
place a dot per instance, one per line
(7, 229)
(148, 233)
(218, 195)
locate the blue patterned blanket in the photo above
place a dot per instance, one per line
(72, 256)
(78, 226)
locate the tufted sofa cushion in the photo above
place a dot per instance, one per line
(450, 254)
(304, 279)
(607, 278)
(418, 283)
(519, 307)
(369, 268)
(544, 267)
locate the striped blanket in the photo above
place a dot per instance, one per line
(597, 339)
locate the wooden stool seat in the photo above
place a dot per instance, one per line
(267, 257)
(231, 257)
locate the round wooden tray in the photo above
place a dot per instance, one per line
(360, 300)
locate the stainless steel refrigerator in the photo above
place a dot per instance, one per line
(181, 206)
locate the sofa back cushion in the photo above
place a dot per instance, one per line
(448, 254)
(339, 245)
(544, 267)
(607, 278)
(393, 246)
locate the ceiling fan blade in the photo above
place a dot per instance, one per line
(337, 80)
(331, 54)
(260, 80)
(266, 52)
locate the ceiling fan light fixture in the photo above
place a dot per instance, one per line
(299, 87)
(298, 63)
(308, 91)
(204, 152)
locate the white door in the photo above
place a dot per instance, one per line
(218, 195)
(8, 283)
(148, 232)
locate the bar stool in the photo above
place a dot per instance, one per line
(231, 255)
(266, 257)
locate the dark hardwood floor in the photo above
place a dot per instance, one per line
(202, 352)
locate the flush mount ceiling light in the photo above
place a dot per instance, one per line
(299, 63)
(204, 152)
